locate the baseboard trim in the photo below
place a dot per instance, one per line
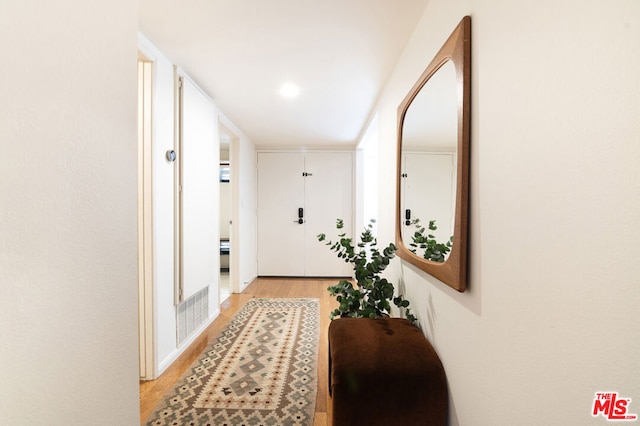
(179, 351)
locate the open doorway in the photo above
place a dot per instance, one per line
(226, 214)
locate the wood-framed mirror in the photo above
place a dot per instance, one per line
(432, 188)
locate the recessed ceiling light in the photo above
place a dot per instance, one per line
(289, 90)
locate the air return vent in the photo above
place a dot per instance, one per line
(192, 313)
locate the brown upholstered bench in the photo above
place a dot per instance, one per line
(384, 372)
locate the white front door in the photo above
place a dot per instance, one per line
(329, 196)
(280, 195)
(317, 186)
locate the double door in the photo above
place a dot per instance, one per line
(300, 195)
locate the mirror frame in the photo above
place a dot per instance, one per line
(457, 49)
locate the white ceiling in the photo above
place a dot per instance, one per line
(339, 52)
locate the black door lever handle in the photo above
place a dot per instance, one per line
(300, 216)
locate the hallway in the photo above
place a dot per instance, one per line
(151, 392)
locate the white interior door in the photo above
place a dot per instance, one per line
(280, 195)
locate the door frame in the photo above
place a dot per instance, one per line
(145, 220)
(234, 240)
(350, 222)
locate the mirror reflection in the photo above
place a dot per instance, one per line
(428, 160)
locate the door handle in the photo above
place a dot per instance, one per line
(300, 219)
(407, 216)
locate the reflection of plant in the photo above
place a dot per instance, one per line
(370, 298)
(433, 250)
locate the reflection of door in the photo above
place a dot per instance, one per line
(318, 183)
(428, 193)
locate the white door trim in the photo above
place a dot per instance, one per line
(145, 222)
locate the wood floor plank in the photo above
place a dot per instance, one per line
(152, 392)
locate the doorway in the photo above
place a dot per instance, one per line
(226, 252)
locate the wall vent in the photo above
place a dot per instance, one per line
(192, 313)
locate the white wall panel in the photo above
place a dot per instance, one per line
(200, 153)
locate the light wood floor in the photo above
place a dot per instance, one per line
(152, 392)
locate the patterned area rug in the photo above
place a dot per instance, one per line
(261, 370)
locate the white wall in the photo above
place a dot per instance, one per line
(366, 178)
(166, 347)
(68, 269)
(551, 313)
(163, 205)
(200, 195)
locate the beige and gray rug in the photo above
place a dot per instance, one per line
(260, 370)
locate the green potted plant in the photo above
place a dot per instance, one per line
(372, 294)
